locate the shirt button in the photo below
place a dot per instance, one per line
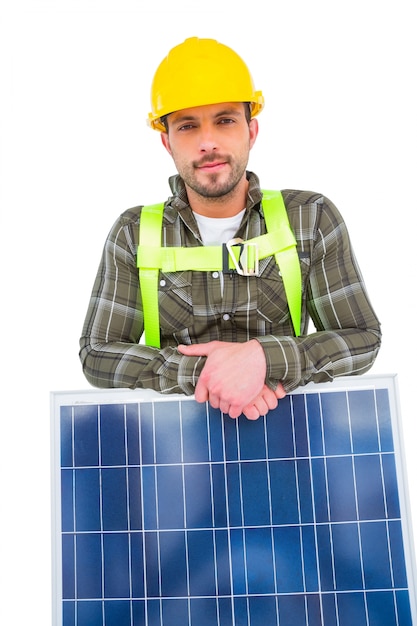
(162, 283)
(226, 317)
(215, 274)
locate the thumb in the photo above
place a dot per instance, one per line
(195, 349)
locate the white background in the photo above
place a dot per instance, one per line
(339, 83)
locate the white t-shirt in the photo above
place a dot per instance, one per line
(217, 230)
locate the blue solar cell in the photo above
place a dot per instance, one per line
(259, 563)
(351, 609)
(117, 613)
(170, 497)
(402, 604)
(194, 432)
(173, 514)
(91, 612)
(254, 489)
(280, 431)
(390, 486)
(88, 560)
(149, 491)
(146, 434)
(172, 556)
(340, 488)
(300, 426)
(362, 412)
(85, 433)
(284, 492)
(309, 559)
(375, 555)
(114, 508)
(288, 559)
(134, 498)
(87, 499)
(381, 608)
(67, 501)
(315, 425)
(66, 437)
(197, 486)
(132, 434)
(116, 565)
(292, 610)
(112, 435)
(251, 442)
(68, 614)
(201, 564)
(167, 433)
(319, 489)
(325, 558)
(397, 554)
(370, 487)
(384, 420)
(68, 570)
(345, 543)
(335, 424)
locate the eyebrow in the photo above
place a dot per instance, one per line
(190, 118)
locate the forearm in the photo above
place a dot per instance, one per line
(320, 356)
(129, 365)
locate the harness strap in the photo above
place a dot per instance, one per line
(278, 241)
(276, 218)
(208, 258)
(150, 234)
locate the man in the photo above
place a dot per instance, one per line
(227, 337)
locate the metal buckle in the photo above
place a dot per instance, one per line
(248, 262)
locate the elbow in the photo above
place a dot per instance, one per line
(366, 352)
(375, 345)
(92, 365)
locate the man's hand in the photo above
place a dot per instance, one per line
(233, 377)
(266, 401)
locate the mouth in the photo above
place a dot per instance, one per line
(211, 166)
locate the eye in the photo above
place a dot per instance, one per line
(184, 127)
(226, 120)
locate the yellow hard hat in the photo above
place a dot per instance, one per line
(198, 72)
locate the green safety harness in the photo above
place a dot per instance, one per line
(235, 256)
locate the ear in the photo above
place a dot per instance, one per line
(165, 142)
(253, 132)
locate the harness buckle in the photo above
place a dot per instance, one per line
(247, 263)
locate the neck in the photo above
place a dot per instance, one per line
(224, 206)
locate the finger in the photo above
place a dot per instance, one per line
(262, 406)
(224, 407)
(270, 399)
(280, 391)
(251, 412)
(234, 410)
(201, 392)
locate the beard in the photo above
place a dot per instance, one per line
(215, 185)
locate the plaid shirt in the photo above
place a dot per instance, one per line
(196, 307)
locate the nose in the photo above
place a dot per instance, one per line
(208, 141)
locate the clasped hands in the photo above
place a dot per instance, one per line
(233, 378)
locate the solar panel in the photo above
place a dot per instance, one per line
(168, 513)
